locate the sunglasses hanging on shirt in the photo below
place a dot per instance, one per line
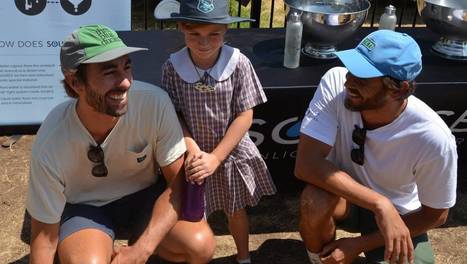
(96, 155)
(358, 137)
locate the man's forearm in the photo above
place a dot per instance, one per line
(328, 177)
(166, 209)
(164, 217)
(312, 167)
(425, 219)
(44, 240)
(42, 255)
(418, 223)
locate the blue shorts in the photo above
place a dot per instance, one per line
(125, 218)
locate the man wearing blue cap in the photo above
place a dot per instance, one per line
(376, 159)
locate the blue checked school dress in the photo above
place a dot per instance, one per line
(243, 178)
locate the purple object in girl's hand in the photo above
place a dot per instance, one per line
(193, 202)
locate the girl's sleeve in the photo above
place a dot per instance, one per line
(248, 91)
(168, 84)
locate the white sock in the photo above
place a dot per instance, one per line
(313, 257)
(244, 261)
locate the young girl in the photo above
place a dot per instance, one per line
(214, 89)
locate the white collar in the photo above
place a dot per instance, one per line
(222, 70)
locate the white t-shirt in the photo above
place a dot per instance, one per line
(412, 160)
(146, 137)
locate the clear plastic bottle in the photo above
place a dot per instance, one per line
(193, 202)
(293, 40)
(388, 19)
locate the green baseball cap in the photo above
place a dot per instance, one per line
(92, 44)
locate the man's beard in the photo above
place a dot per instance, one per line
(97, 101)
(374, 102)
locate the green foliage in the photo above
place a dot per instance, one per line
(278, 14)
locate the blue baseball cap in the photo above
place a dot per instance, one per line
(384, 53)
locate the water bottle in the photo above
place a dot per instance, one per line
(388, 20)
(293, 40)
(193, 202)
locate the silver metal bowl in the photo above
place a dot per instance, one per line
(448, 18)
(328, 22)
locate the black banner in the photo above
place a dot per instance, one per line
(442, 85)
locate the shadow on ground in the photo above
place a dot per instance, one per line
(277, 213)
(23, 260)
(274, 251)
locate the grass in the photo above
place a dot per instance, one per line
(278, 14)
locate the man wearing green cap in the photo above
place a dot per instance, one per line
(95, 160)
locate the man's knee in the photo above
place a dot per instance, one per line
(316, 204)
(86, 246)
(201, 248)
(94, 258)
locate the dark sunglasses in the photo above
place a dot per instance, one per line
(96, 155)
(358, 137)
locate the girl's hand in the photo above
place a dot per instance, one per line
(201, 166)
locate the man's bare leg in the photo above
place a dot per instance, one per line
(86, 246)
(318, 211)
(188, 242)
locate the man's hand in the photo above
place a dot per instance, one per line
(344, 250)
(397, 240)
(190, 156)
(130, 255)
(201, 166)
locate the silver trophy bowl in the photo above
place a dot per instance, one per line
(327, 23)
(448, 18)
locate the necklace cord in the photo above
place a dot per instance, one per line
(203, 79)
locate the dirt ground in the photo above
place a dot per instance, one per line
(274, 237)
